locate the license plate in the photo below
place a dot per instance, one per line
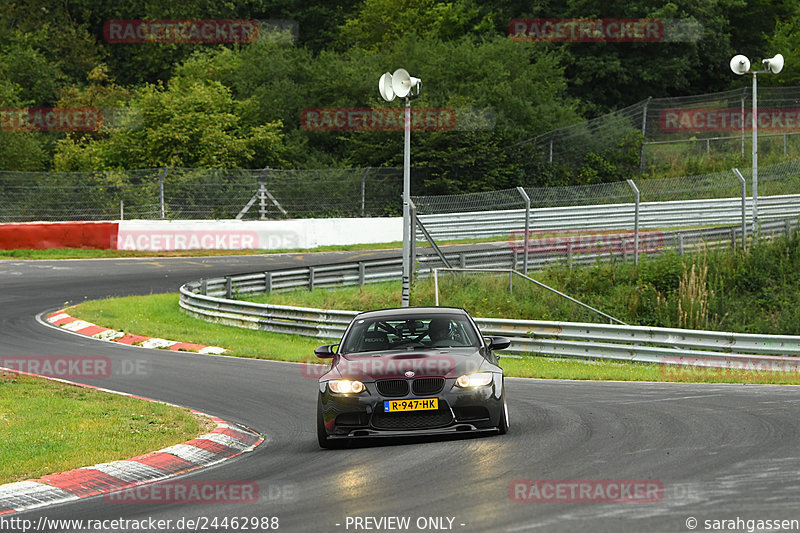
(415, 404)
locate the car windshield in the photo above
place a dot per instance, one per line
(372, 335)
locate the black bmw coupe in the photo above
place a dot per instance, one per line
(411, 371)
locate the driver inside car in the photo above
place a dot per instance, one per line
(439, 332)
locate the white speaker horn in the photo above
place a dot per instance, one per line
(740, 64)
(402, 82)
(774, 64)
(385, 87)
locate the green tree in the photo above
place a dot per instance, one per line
(186, 124)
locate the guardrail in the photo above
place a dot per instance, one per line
(608, 216)
(575, 250)
(213, 299)
(560, 339)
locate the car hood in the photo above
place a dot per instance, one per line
(444, 362)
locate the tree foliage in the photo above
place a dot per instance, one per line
(217, 105)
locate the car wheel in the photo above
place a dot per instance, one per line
(502, 427)
(322, 435)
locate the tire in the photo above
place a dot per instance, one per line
(502, 427)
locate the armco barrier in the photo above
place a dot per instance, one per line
(214, 300)
(493, 255)
(608, 216)
(560, 339)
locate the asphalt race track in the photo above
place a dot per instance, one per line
(720, 452)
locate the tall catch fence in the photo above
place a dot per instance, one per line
(186, 193)
(665, 131)
(720, 198)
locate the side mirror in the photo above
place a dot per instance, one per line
(326, 352)
(499, 343)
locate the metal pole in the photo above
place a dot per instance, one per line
(743, 183)
(436, 287)
(161, 192)
(644, 134)
(743, 124)
(364, 190)
(406, 206)
(412, 207)
(635, 222)
(755, 154)
(527, 227)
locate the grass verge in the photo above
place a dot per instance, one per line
(160, 316)
(48, 426)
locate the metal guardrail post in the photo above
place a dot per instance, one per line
(268, 282)
(743, 183)
(204, 287)
(362, 273)
(228, 287)
(635, 222)
(311, 278)
(527, 200)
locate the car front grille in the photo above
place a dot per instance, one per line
(423, 386)
(392, 387)
(412, 420)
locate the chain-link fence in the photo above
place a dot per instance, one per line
(184, 193)
(721, 198)
(667, 131)
(777, 179)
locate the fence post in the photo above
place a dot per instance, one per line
(262, 201)
(635, 222)
(744, 91)
(743, 183)
(161, 192)
(362, 273)
(364, 189)
(527, 200)
(412, 242)
(121, 209)
(644, 134)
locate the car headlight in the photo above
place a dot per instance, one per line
(346, 386)
(474, 380)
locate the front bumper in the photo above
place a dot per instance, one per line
(460, 411)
